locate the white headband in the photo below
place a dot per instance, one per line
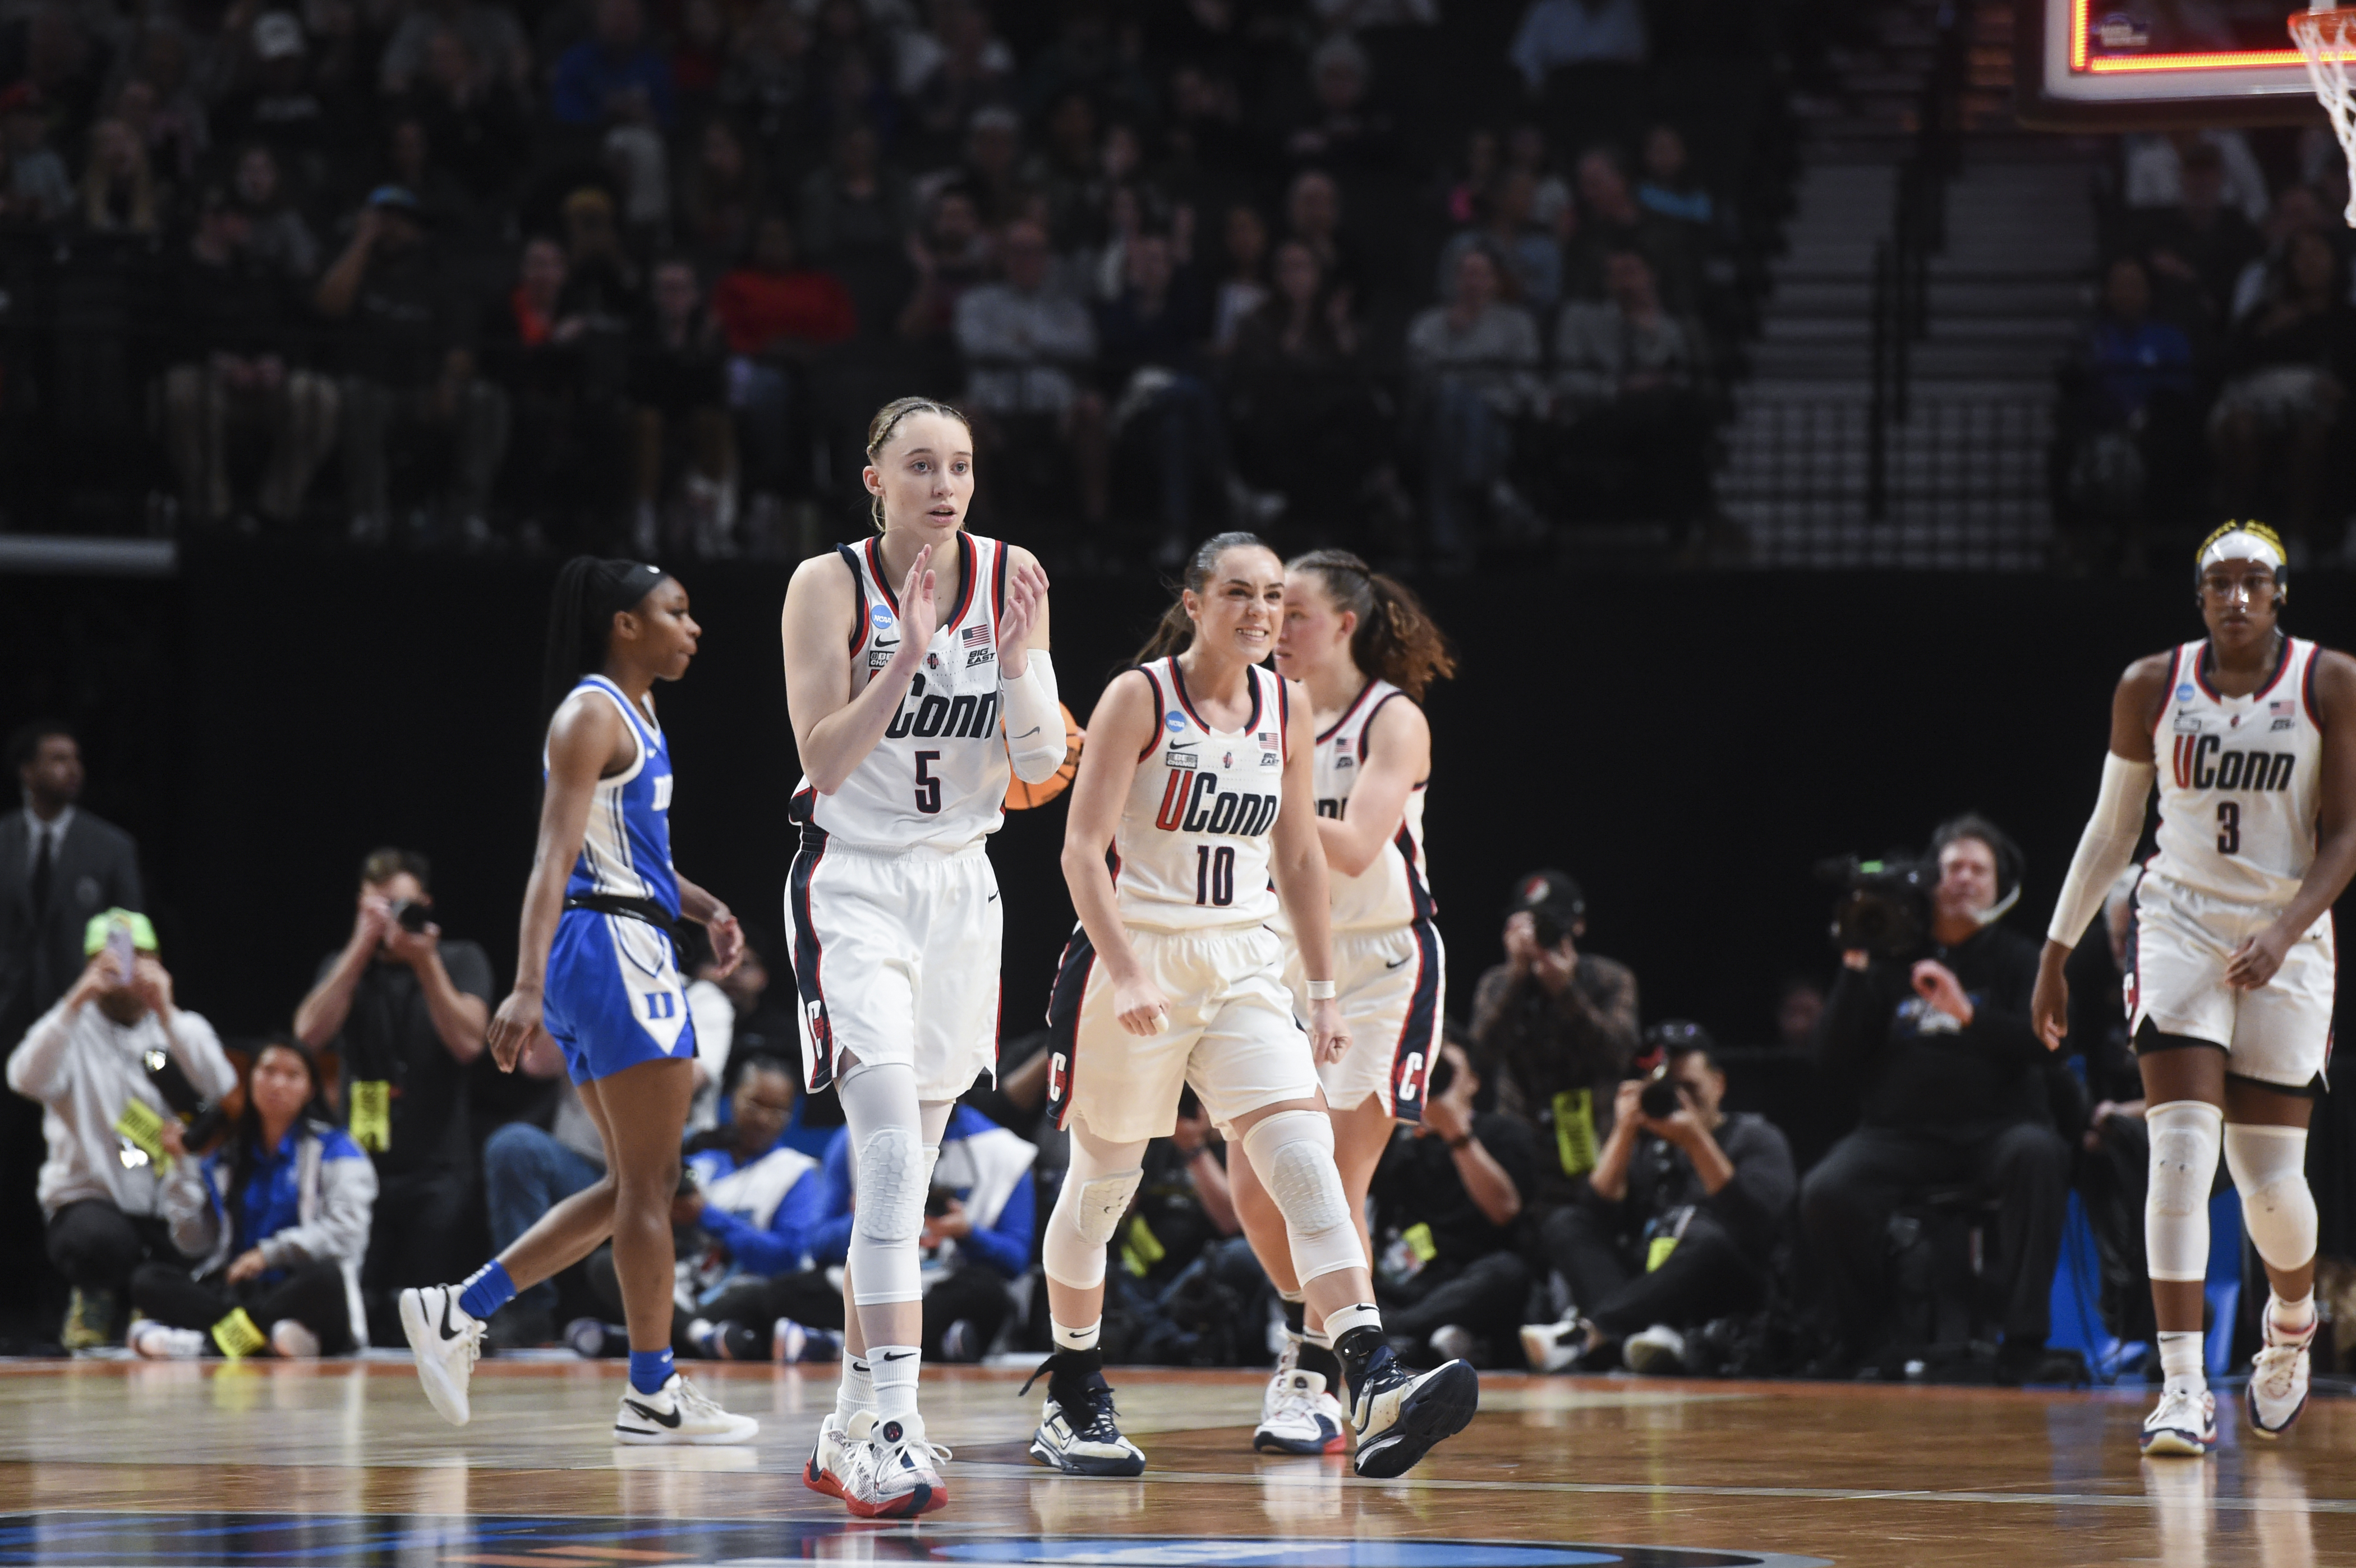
(2240, 545)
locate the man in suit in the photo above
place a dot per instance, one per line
(59, 866)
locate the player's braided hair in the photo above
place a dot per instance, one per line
(887, 420)
(1176, 631)
(589, 593)
(1396, 637)
(2256, 530)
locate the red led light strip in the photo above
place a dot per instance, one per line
(2243, 61)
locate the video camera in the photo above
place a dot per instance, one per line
(1885, 905)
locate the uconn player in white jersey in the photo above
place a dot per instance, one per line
(1363, 651)
(595, 969)
(2252, 736)
(1192, 820)
(918, 675)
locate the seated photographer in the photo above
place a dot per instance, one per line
(1554, 1030)
(404, 1011)
(1949, 1076)
(85, 1061)
(747, 1210)
(977, 1239)
(278, 1219)
(1445, 1197)
(1676, 1223)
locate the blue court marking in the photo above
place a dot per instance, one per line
(1179, 1552)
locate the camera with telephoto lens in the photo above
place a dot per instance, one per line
(1661, 1096)
(412, 915)
(203, 1118)
(1885, 905)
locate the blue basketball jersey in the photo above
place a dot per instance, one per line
(626, 852)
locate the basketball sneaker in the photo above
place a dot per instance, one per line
(897, 1476)
(447, 1340)
(2278, 1380)
(1298, 1416)
(679, 1412)
(1659, 1350)
(1078, 1433)
(1551, 1347)
(830, 1458)
(1400, 1416)
(152, 1339)
(293, 1341)
(2182, 1423)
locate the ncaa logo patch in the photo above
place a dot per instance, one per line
(2186, 692)
(880, 616)
(1174, 721)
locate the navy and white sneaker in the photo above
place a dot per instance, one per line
(1400, 1416)
(1078, 1433)
(1298, 1416)
(2278, 1376)
(2183, 1423)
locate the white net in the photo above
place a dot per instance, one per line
(2323, 37)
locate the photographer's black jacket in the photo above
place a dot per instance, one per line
(1915, 1067)
(1749, 1209)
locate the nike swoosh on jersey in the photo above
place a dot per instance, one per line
(1396, 962)
(657, 1417)
(1027, 734)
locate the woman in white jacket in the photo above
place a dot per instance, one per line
(278, 1215)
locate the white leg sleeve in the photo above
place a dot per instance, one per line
(1097, 1186)
(1292, 1153)
(888, 1175)
(1034, 722)
(2184, 1144)
(2269, 1167)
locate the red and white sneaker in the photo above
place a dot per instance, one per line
(2278, 1374)
(823, 1472)
(1297, 1415)
(2183, 1423)
(889, 1470)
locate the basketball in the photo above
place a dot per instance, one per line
(1021, 797)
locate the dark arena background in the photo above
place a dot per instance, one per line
(1796, 414)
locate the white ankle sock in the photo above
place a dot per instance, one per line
(2292, 1318)
(894, 1367)
(2180, 1363)
(856, 1391)
(1076, 1338)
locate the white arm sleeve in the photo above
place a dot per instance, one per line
(1034, 724)
(2106, 847)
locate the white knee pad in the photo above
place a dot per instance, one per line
(889, 1172)
(1096, 1193)
(1292, 1153)
(2184, 1145)
(2269, 1167)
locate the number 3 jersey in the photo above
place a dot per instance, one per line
(938, 778)
(2239, 779)
(1192, 851)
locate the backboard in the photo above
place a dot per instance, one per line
(2157, 64)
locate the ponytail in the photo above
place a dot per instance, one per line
(1176, 631)
(589, 593)
(1396, 638)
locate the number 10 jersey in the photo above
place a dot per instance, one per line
(1192, 850)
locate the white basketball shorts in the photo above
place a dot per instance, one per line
(896, 960)
(1231, 1033)
(2279, 1034)
(1392, 986)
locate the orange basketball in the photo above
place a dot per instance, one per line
(1021, 797)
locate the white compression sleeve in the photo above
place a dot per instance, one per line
(2104, 848)
(1034, 722)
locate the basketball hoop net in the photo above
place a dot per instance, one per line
(2323, 37)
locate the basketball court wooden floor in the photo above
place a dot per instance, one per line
(111, 1464)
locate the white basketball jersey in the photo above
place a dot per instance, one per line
(939, 775)
(1192, 850)
(2239, 779)
(1394, 891)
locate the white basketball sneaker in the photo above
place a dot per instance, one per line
(825, 1470)
(293, 1341)
(1297, 1415)
(2278, 1380)
(679, 1412)
(898, 1475)
(158, 1343)
(447, 1340)
(2183, 1423)
(1401, 1415)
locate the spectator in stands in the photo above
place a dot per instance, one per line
(1343, 131)
(1628, 378)
(951, 255)
(855, 207)
(172, 141)
(1475, 360)
(948, 71)
(1067, 170)
(287, 101)
(1028, 345)
(1243, 287)
(723, 196)
(2197, 246)
(84, 1061)
(475, 119)
(1948, 1071)
(409, 162)
(993, 167)
(1799, 1008)
(2130, 413)
(765, 81)
(495, 52)
(118, 187)
(1557, 33)
(1554, 1029)
(406, 1011)
(1312, 213)
(2297, 210)
(679, 390)
(1302, 404)
(1446, 1199)
(777, 316)
(2289, 370)
(1668, 187)
(407, 363)
(2155, 164)
(615, 77)
(275, 234)
(1206, 142)
(1675, 1225)
(1528, 258)
(529, 1170)
(528, 347)
(276, 1221)
(1610, 222)
(238, 371)
(39, 190)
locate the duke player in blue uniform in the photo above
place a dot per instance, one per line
(597, 971)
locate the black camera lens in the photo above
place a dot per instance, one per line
(412, 915)
(1660, 1099)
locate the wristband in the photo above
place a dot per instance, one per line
(1320, 990)
(1456, 1145)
